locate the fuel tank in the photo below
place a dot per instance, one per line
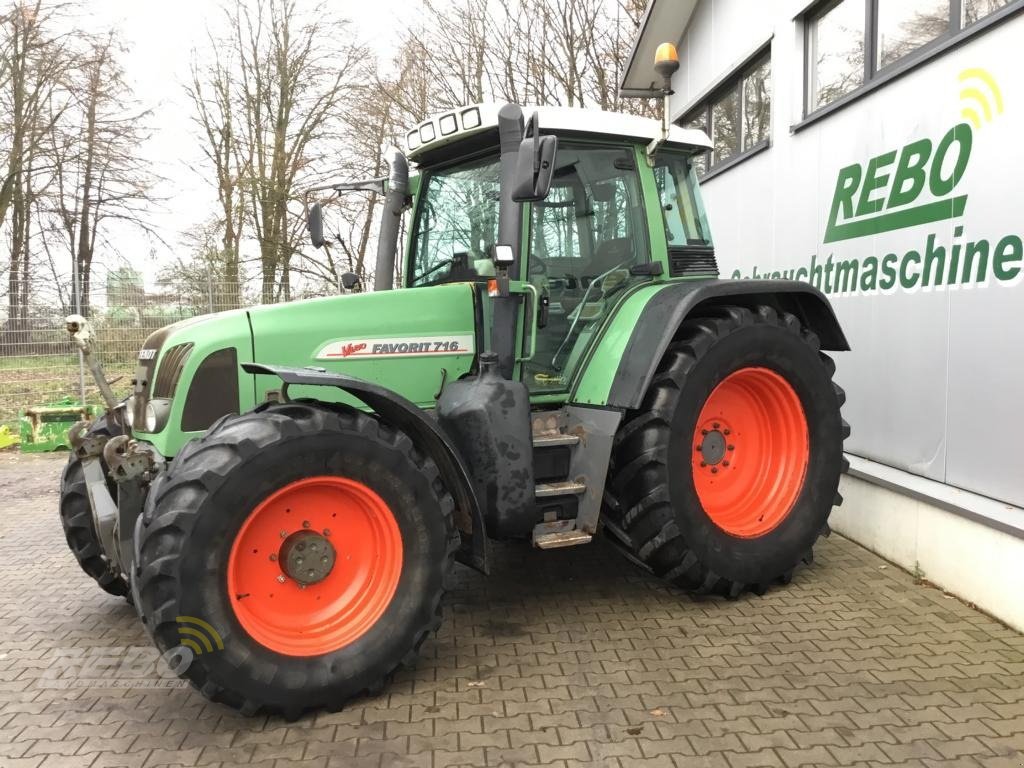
(488, 419)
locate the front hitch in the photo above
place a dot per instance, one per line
(81, 337)
(128, 459)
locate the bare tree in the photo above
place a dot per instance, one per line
(97, 174)
(212, 92)
(34, 63)
(294, 72)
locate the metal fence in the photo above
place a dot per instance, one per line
(39, 365)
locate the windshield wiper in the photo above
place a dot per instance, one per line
(443, 263)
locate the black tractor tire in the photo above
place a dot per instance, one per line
(218, 482)
(656, 511)
(76, 517)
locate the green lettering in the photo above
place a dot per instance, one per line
(911, 167)
(846, 271)
(964, 138)
(932, 255)
(736, 274)
(873, 180)
(868, 274)
(980, 249)
(1010, 249)
(888, 271)
(906, 279)
(804, 270)
(828, 274)
(954, 255)
(846, 186)
(815, 272)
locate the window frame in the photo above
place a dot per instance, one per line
(422, 189)
(875, 76)
(733, 81)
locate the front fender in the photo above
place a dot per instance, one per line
(618, 375)
(424, 432)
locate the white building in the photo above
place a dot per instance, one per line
(874, 148)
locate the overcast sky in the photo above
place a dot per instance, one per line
(161, 37)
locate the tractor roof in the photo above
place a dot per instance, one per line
(434, 139)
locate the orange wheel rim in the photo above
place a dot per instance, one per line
(750, 452)
(314, 566)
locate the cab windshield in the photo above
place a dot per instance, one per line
(456, 224)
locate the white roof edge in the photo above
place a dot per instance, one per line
(552, 119)
(660, 15)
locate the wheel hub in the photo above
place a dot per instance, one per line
(307, 557)
(712, 447)
(283, 592)
(751, 450)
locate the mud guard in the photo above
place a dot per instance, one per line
(425, 433)
(664, 313)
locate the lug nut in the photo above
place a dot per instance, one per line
(273, 558)
(732, 447)
(703, 463)
(703, 431)
(324, 559)
(714, 470)
(696, 448)
(284, 534)
(327, 531)
(727, 432)
(715, 425)
(725, 463)
(298, 560)
(281, 579)
(305, 523)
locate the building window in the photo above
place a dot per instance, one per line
(736, 115)
(904, 26)
(852, 42)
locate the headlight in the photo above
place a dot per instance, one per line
(156, 414)
(129, 411)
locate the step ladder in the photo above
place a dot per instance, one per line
(550, 432)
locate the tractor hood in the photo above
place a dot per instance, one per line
(402, 340)
(189, 374)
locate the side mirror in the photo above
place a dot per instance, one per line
(535, 165)
(349, 280)
(315, 225)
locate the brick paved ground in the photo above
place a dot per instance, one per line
(559, 659)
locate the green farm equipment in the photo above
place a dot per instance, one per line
(559, 361)
(45, 427)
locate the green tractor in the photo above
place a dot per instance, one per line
(285, 492)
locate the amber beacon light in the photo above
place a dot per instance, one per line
(666, 63)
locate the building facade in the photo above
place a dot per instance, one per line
(873, 148)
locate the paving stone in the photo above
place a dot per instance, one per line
(561, 658)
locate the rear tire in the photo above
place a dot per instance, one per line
(76, 518)
(208, 549)
(726, 475)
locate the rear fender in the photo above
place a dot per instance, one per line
(635, 361)
(425, 433)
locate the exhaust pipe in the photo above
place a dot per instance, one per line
(394, 204)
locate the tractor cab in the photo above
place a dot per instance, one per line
(579, 248)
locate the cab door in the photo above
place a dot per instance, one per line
(584, 238)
